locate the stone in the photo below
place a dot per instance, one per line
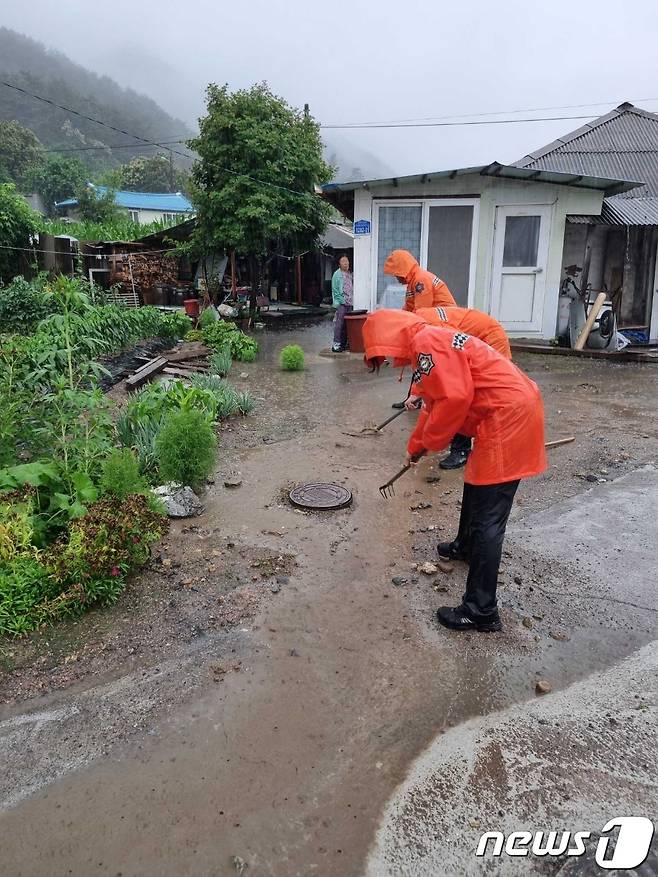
(179, 501)
(527, 622)
(428, 569)
(243, 376)
(558, 635)
(421, 506)
(275, 587)
(233, 480)
(543, 686)
(432, 479)
(227, 311)
(399, 580)
(282, 580)
(444, 566)
(593, 479)
(518, 580)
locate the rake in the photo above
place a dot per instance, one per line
(387, 490)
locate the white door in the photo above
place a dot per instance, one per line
(519, 267)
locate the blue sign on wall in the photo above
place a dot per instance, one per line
(362, 226)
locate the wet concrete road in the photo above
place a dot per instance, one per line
(290, 762)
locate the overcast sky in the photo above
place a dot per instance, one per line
(374, 62)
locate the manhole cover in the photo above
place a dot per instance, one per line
(320, 496)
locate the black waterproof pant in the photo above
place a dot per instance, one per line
(484, 513)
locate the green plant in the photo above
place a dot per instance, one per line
(140, 434)
(186, 447)
(245, 402)
(121, 476)
(208, 317)
(193, 335)
(223, 334)
(292, 358)
(221, 361)
(174, 324)
(26, 589)
(225, 396)
(23, 304)
(18, 222)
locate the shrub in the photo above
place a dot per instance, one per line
(292, 358)
(121, 476)
(114, 537)
(26, 589)
(24, 304)
(223, 333)
(224, 395)
(208, 317)
(175, 325)
(185, 447)
(193, 335)
(221, 362)
(140, 434)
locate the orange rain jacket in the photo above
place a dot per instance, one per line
(467, 387)
(471, 321)
(424, 289)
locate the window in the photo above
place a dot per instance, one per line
(399, 229)
(449, 236)
(521, 241)
(169, 217)
(134, 216)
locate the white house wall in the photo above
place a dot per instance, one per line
(492, 193)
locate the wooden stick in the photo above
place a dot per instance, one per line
(563, 441)
(587, 328)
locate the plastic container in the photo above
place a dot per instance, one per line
(354, 323)
(191, 306)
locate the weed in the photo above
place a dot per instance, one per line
(121, 476)
(185, 447)
(221, 361)
(292, 358)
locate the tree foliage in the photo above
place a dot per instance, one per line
(17, 223)
(259, 161)
(20, 151)
(148, 173)
(58, 178)
(95, 206)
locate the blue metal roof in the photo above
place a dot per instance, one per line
(168, 202)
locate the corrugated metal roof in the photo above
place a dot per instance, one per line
(168, 202)
(623, 211)
(610, 185)
(622, 143)
(337, 237)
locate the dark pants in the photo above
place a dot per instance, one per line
(340, 326)
(484, 513)
(461, 443)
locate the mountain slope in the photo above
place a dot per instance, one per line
(28, 64)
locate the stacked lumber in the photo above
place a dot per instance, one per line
(193, 359)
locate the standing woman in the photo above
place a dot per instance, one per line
(342, 293)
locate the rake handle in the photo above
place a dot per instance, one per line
(392, 417)
(414, 459)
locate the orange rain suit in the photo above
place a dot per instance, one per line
(424, 289)
(471, 321)
(468, 388)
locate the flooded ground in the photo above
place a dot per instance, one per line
(262, 689)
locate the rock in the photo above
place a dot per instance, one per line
(432, 479)
(239, 864)
(179, 501)
(591, 478)
(233, 480)
(428, 569)
(243, 376)
(527, 622)
(275, 587)
(444, 566)
(518, 580)
(420, 506)
(399, 580)
(440, 588)
(227, 311)
(282, 580)
(558, 635)
(543, 686)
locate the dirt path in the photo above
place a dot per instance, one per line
(280, 741)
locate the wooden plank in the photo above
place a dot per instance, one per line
(563, 441)
(178, 372)
(146, 372)
(591, 317)
(196, 352)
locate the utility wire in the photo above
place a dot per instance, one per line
(372, 125)
(163, 143)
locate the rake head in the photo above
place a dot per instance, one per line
(387, 490)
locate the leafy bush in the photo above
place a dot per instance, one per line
(221, 361)
(208, 317)
(26, 590)
(292, 358)
(174, 324)
(224, 395)
(223, 334)
(139, 434)
(193, 335)
(186, 447)
(24, 304)
(121, 476)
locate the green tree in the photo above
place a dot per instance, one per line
(95, 206)
(20, 150)
(17, 223)
(254, 182)
(58, 178)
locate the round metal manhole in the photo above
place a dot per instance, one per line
(320, 496)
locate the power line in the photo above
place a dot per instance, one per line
(162, 143)
(373, 125)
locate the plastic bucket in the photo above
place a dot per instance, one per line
(191, 306)
(354, 323)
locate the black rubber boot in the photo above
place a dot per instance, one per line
(398, 405)
(459, 618)
(459, 451)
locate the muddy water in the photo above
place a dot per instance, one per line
(288, 763)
